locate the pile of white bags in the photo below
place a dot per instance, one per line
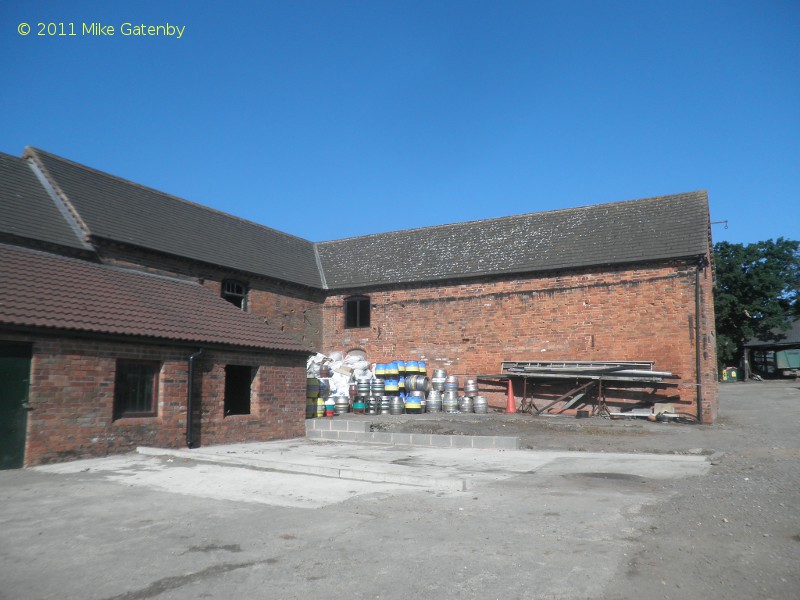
(342, 369)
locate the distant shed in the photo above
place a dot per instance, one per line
(776, 356)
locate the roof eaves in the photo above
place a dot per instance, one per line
(237, 271)
(511, 271)
(153, 339)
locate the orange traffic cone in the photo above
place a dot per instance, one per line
(511, 406)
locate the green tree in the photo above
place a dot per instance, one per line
(756, 294)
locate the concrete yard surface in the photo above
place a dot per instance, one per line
(298, 519)
(143, 526)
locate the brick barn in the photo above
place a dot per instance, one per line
(112, 292)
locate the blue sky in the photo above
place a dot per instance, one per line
(330, 119)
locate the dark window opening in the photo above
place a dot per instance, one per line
(136, 388)
(238, 380)
(356, 312)
(235, 293)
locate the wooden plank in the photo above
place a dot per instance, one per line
(572, 402)
(580, 388)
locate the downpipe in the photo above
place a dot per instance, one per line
(189, 398)
(697, 337)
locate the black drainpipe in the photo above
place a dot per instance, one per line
(698, 364)
(189, 396)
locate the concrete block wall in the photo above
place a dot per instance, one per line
(344, 429)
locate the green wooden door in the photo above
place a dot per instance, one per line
(15, 369)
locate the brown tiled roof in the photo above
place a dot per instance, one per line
(43, 290)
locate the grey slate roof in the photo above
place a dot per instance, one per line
(115, 209)
(123, 211)
(49, 291)
(28, 211)
(790, 337)
(605, 234)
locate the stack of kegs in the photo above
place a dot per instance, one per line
(361, 401)
(465, 404)
(312, 393)
(404, 380)
(471, 401)
(317, 390)
(400, 368)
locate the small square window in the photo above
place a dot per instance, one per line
(235, 293)
(238, 382)
(136, 388)
(356, 312)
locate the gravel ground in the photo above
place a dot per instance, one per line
(732, 534)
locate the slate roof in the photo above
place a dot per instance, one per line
(124, 211)
(790, 337)
(605, 234)
(28, 211)
(43, 290)
(115, 209)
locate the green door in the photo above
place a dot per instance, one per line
(15, 369)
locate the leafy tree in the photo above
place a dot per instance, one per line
(757, 293)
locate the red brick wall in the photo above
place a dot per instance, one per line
(633, 313)
(277, 400)
(290, 308)
(72, 398)
(284, 308)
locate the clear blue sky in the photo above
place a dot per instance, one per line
(329, 119)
